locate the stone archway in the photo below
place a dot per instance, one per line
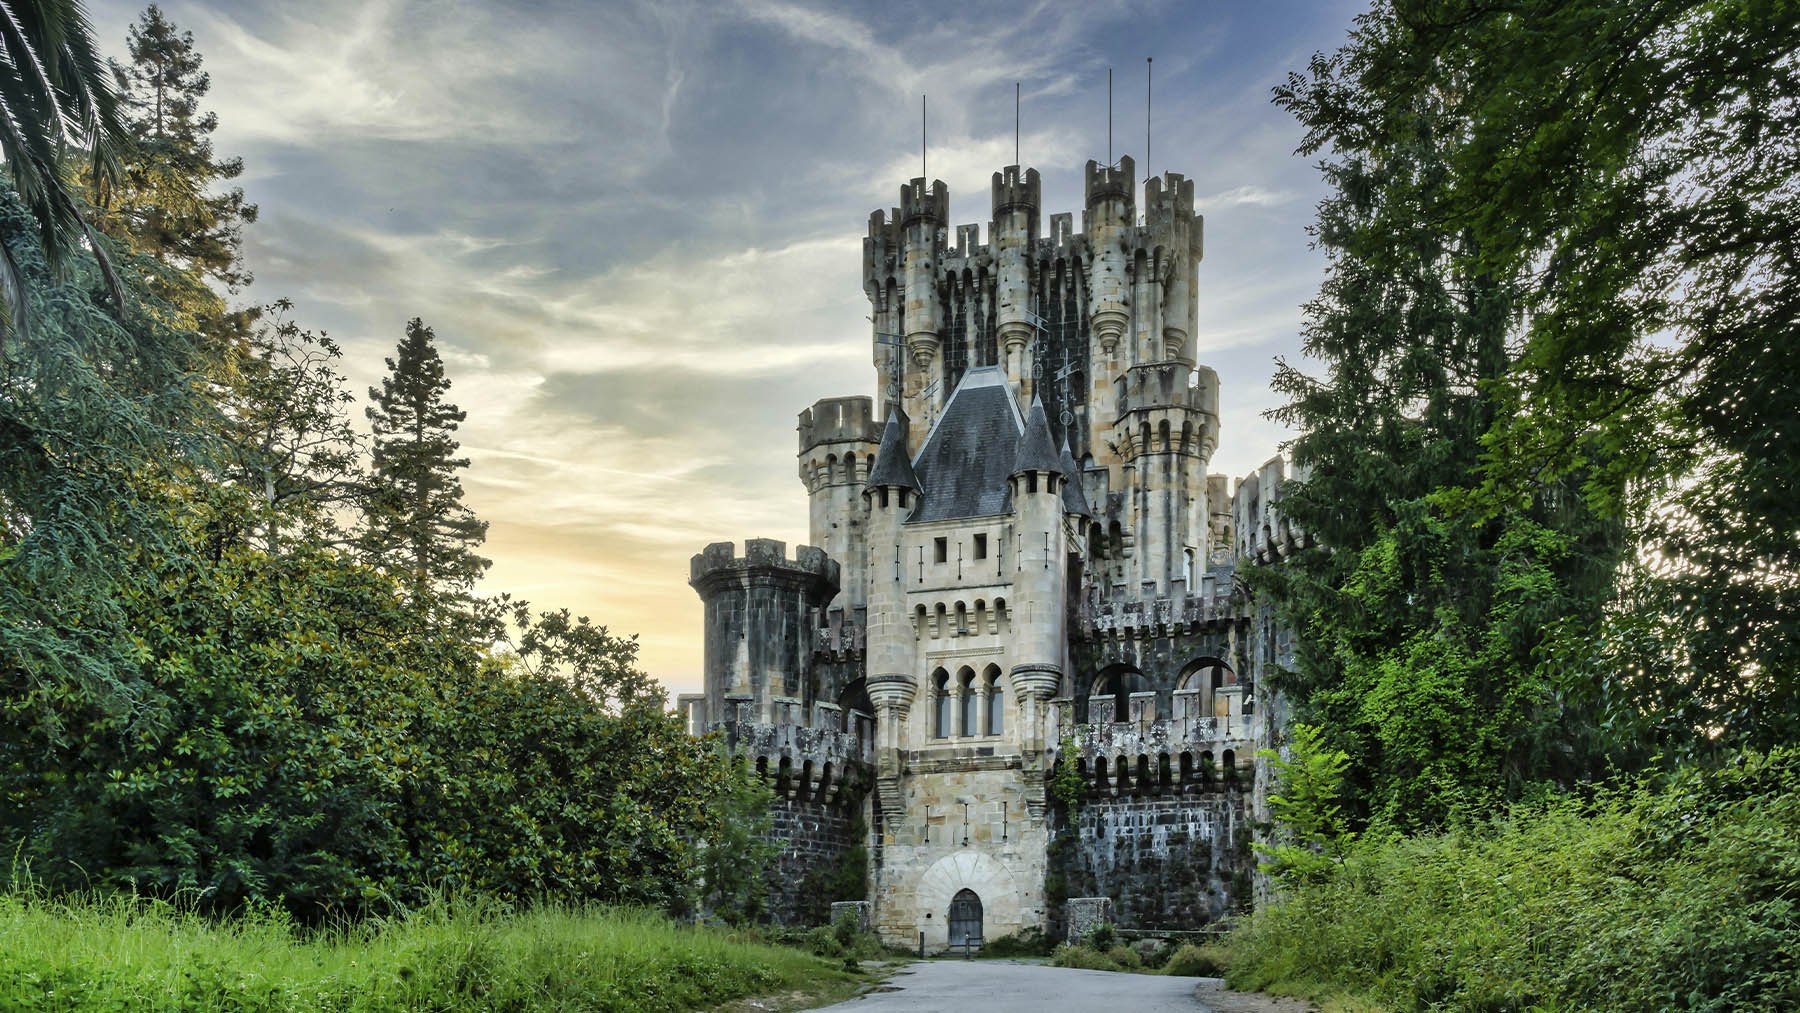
(972, 871)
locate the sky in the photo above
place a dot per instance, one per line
(636, 226)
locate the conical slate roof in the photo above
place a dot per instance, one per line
(892, 466)
(1073, 500)
(1037, 451)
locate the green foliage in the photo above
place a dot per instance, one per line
(1191, 961)
(450, 955)
(163, 201)
(1066, 783)
(1555, 330)
(1436, 638)
(1310, 833)
(55, 96)
(415, 524)
(734, 862)
(845, 878)
(1682, 897)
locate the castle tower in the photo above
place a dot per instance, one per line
(761, 611)
(838, 437)
(1012, 235)
(1038, 582)
(923, 214)
(890, 496)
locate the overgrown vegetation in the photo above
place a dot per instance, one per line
(241, 662)
(1685, 897)
(118, 952)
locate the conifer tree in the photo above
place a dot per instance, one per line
(172, 200)
(416, 526)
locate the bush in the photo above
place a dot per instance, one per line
(1068, 955)
(1685, 897)
(1100, 938)
(1191, 961)
(1125, 957)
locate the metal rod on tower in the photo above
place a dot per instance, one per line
(1015, 123)
(1147, 168)
(1109, 116)
(922, 173)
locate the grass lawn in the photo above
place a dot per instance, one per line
(125, 954)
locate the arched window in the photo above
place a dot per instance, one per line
(996, 702)
(1187, 569)
(965, 679)
(941, 690)
(962, 619)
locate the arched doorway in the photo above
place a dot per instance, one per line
(965, 919)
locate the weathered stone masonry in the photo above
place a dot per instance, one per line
(1018, 545)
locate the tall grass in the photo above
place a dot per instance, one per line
(1687, 898)
(122, 953)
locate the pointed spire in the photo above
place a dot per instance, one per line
(1037, 451)
(1074, 503)
(892, 466)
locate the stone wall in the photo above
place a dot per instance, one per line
(1166, 863)
(817, 841)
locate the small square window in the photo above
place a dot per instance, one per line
(980, 546)
(942, 548)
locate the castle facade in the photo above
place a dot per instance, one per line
(1019, 560)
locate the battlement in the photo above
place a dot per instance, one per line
(838, 420)
(1263, 532)
(1215, 599)
(1106, 182)
(1168, 385)
(719, 565)
(1016, 192)
(921, 204)
(1168, 197)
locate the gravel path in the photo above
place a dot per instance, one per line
(1004, 986)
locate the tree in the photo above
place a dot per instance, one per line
(170, 200)
(1309, 820)
(1630, 167)
(54, 95)
(416, 526)
(1424, 624)
(289, 443)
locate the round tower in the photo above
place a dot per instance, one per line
(1109, 214)
(923, 214)
(1040, 574)
(761, 612)
(1013, 234)
(1175, 235)
(838, 438)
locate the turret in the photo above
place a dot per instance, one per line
(838, 439)
(883, 273)
(892, 491)
(923, 214)
(1040, 573)
(1175, 235)
(1109, 214)
(761, 610)
(1013, 235)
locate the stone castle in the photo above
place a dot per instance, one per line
(1019, 564)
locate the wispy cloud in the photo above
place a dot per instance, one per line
(635, 226)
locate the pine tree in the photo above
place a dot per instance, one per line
(171, 201)
(416, 526)
(1426, 627)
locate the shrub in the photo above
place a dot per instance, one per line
(1100, 938)
(1191, 961)
(1068, 955)
(1125, 957)
(1686, 897)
